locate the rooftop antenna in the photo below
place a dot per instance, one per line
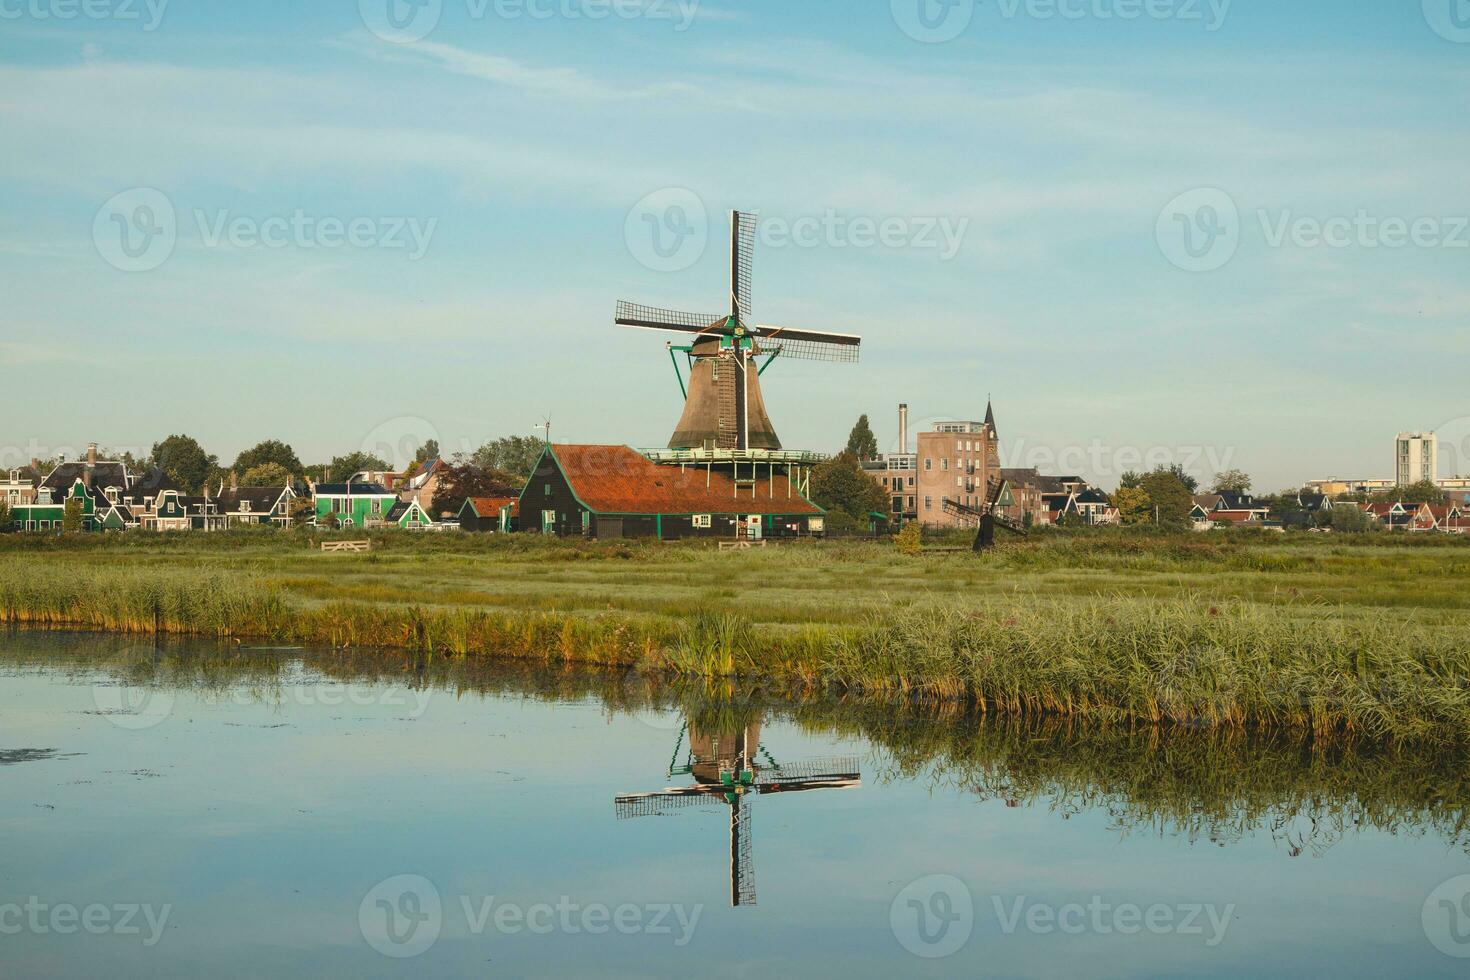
(545, 424)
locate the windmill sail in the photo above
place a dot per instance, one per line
(655, 318)
(742, 262)
(724, 407)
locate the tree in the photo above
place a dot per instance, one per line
(266, 475)
(270, 451)
(1423, 492)
(71, 515)
(460, 480)
(341, 468)
(840, 484)
(1191, 485)
(429, 450)
(1346, 518)
(1169, 497)
(4, 516)
(1231, 481)
(1130, 480)
(861, 442)
(301, 510)
(515, 456)
(1133, 505)
(183, 459)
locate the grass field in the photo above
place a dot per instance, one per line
(1364, 634)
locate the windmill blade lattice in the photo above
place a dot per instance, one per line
(657, 318)
(742, 261)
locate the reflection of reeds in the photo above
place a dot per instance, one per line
(1308, 635)
(1203, 784)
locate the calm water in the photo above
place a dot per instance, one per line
(188, 811)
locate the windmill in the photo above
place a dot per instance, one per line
(988, 517)
(723, 406)
(728, 772)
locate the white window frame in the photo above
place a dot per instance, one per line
(704, 520)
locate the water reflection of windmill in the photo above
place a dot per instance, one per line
(730, 768)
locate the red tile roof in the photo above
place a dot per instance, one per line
(490, 506)
(619, 480)
(1233, 516)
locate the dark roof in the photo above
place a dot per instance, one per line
(619, 480)
(1030, 477)
(1311, 501)
(397, 511)
(262, 499)
(1233, 500)
(108, 474)
(362, 489)
(1092, 496)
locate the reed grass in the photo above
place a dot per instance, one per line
(1315, 635)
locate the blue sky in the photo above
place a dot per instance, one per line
(1067, 156)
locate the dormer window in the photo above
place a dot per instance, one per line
(245, 505)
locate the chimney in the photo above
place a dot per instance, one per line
(903, 428)
(91, 454)
(234, 480)
(36, 464)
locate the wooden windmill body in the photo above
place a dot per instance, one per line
(723, 405)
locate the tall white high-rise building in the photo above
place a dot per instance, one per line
(1416, 457)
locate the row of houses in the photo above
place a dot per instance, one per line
(587, 490)
(107, 495)
(1243, 510)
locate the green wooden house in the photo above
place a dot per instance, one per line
(409, 516)
(354, 504)
(48, 511)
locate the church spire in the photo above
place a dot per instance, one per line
(989, 414)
